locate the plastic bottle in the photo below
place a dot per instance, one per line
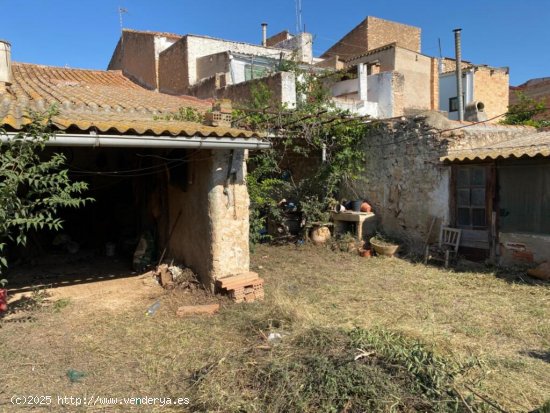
(153, 309)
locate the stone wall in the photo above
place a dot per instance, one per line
(282, 86)
(404, 179)
(191, 241)
(228, 213)
(372, 33)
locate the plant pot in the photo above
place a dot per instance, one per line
(319, 234)
(365, 253)
(365, 207)
(383, 248)
(3, 300)
(356, 205)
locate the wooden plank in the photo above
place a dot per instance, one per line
(236, 280)
(475, 239)
(188, 310)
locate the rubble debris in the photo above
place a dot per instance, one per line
(542, 272)
(189, 310)
(244, 287)
(165, 276)
(175, 276)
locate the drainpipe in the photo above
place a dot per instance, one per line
(264, 34)
(459, 88)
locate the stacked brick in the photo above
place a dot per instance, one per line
(245, 287)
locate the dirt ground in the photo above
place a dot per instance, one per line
(94, 322)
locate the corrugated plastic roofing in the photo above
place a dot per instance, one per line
(530, 145)
(100, 100)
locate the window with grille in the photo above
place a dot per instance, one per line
(471, 205)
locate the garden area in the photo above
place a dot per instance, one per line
(335, 333)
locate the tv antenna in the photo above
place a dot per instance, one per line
(298, 16)
(121, 11)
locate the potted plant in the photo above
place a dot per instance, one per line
(383, 245)
(316, 215)
(3, 296)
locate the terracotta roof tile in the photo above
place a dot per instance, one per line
(99, 100)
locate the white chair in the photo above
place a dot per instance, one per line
(449, 240)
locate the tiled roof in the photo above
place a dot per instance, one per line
(529, 145)
(99, 100)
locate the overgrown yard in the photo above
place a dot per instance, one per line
(356, 335)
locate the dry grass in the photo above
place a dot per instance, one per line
(503, 326)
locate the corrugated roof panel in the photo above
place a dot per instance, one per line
(530, 145)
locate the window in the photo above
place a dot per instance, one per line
(471, 210)
(453, 104)
(255, 72)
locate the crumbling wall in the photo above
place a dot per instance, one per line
(404, 179)
(282, 86)
(211, 236)
(191, 240)
(228, 211)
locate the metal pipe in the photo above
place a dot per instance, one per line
(458, 59)
(264, 34)
(138, 141)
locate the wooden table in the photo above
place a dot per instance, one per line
(340, 219)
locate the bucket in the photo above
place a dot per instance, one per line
(356, 205)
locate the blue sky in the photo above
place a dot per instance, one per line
(83, 33)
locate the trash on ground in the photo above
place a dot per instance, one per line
(75, 376)
(188, 310)
(153, 308)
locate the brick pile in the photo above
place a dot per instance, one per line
(245, 287)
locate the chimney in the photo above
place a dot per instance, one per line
(458, 61)
(5, 64)
(264, 34)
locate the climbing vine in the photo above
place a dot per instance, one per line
(317, 133)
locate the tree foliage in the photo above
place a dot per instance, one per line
(527, 111)
(33, 185)
(313, 127)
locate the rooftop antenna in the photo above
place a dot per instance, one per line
(121, 11)
(298, 16)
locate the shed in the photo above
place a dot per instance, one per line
(146, 172)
